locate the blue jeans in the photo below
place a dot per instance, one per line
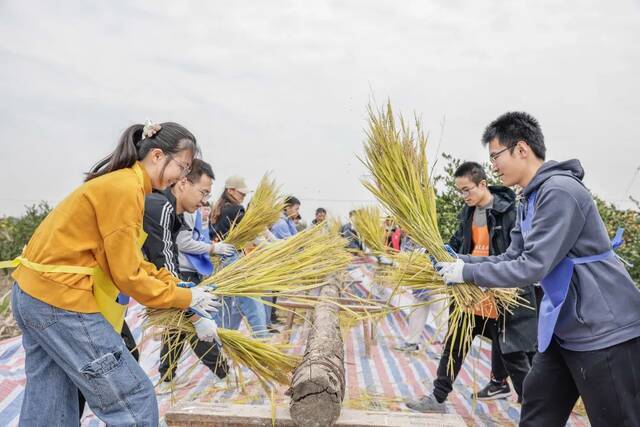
(254, 311)
(68, 351)
(235, 307)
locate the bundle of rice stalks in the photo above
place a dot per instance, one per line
(396, 158)
(368, 224)
(268, 362)
(409, 270)
(333, 225)
(414, 271)
(289, 266)
(264, 210)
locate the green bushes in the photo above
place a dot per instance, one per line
(16, 232)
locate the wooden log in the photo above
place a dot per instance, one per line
(199, 414)
(318, 383)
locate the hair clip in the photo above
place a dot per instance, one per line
(150, 129)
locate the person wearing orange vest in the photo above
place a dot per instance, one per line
(74, 277)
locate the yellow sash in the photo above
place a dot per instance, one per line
(106, 294)
(104, 290)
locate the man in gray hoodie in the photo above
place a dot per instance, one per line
(589, 321)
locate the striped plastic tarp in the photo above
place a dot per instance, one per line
(381, 381)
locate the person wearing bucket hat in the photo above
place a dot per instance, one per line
(589, 317)
(237, 183)
(228, 209)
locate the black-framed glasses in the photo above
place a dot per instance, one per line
(466, 191)
(493, 157)
(205, 195)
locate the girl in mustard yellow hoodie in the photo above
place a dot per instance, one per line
(74, 278)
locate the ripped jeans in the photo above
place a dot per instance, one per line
(67, 351)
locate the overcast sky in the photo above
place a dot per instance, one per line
(283, 85)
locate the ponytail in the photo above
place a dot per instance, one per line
(170, 137)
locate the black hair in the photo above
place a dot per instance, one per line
(516, 126)
(171, 139)
(472, 170)
(198, 168)
(291, 201)
(321, 210)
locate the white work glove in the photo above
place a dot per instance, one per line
(258, 241)
(206, 330)
(266, 237)
(202, 302)
(451, 272)
(383, 260)
(223, 249)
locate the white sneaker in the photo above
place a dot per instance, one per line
(409, 347)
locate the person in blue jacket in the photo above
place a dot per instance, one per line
(285, 227)
(589, 320)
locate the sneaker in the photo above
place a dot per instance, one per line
(427, 404)
(221, 370)
(409, 347)
(272, 329)
(494, 390)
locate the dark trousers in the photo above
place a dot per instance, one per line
(499, 373)
(207, 352)
(608, 381)
(516, 364)
(131, 345)
(273, 316)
